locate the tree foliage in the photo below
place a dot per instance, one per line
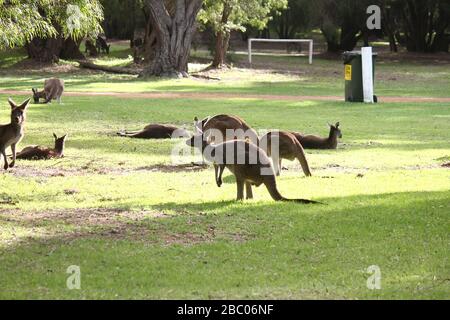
(119, 25)
(418, 25)
(23, 20)
(298, 17)
(224, 16)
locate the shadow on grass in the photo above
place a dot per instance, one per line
(387, 211)
(219, 247)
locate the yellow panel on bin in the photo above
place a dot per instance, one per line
(348, 72)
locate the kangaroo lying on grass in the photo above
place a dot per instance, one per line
(11, 134)
(288, 148)
(43, 153)
(315, 142)
(249, 164)
(53, 90)
(156, 131)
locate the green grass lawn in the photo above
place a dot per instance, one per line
(140, 228)
(292, 76)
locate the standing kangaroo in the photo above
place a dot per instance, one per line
(315, 142)
(44, 153)
(288, 148)
(223, 122)
(91, 48)
(11, 134)
(53, 90)
(102, 45)
(215, 128)
(156, 131)
(249, 164)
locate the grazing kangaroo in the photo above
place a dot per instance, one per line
(102, 45)
(11, 134)
(289, 148)
(224, 122)
(43, 153)
(53, 90)
(156, 131)
(315, 142)
(249, 164)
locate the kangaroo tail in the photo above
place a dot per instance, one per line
(302, 158)
(122, 134)
(303, 201)
(271, 186)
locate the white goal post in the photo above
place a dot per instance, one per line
(310, 41)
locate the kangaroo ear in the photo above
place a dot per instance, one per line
(34, 90)
(337, 124)
(55, 136)
(12, 103)
(24, 104)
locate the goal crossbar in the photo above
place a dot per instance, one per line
(310, 41)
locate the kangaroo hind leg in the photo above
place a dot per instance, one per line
(248, 190)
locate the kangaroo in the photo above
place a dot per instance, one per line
(11, 134)
(102, 45)
(315, 142)
(156, 131)
(43, 153)
(91, 48)
(215, 130)
(289, 148)
(255, 169)
(224, 122)
(53, 90)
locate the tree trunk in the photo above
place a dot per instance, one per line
(220, 53)
(222, 39)
(173, 22)
(53, 49)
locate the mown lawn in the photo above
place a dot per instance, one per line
(272, 75)
(140, 227)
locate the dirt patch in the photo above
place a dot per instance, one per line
(72, 224)
(51, 172)
(191, 167)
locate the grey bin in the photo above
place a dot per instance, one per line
(353, 76)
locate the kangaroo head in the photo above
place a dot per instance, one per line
(198, 126)
(335, 130)
(60, 142)
(35, 95)
(18, 112)
(197, 141)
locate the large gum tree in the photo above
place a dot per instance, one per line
(173, 24)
